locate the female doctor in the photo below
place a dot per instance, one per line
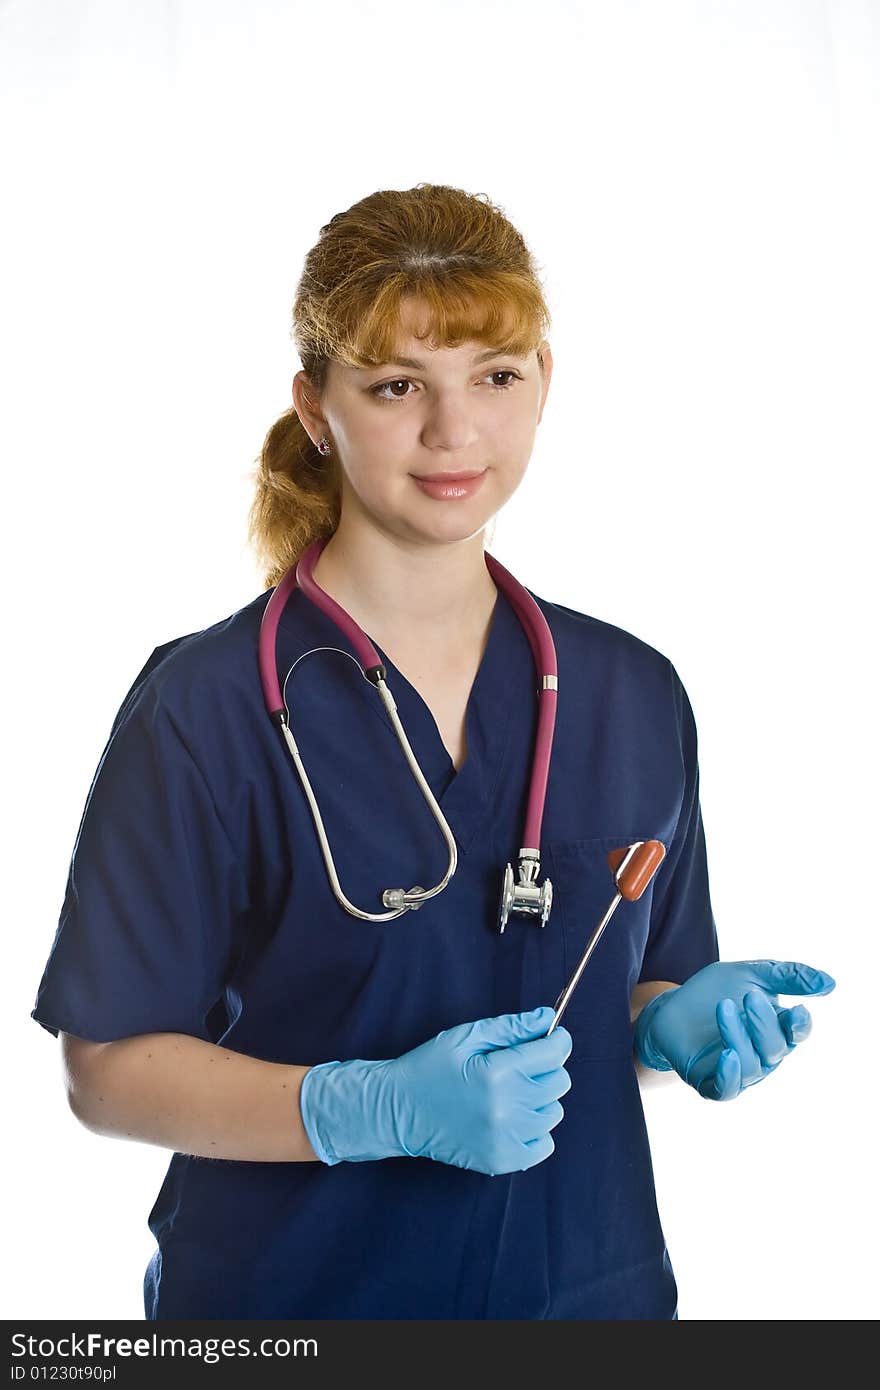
(367, 1117)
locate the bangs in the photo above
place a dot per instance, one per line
(501, 309)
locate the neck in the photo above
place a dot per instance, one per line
(436, 593)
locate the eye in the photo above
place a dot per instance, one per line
(407, 381)
(399, 381)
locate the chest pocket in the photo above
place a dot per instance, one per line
(597, 1014)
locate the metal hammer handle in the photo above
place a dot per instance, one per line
(633, 869)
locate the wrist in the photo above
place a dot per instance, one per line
(646, 1052)
(345, 1111)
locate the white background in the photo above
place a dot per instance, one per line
(698, 182)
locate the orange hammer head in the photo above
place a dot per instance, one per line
(641, 868)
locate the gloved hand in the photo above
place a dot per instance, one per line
(481, 1095)
(723, 1030)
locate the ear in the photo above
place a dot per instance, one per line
(547, 358)
(306, 404)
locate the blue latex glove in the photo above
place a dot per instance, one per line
(482, 1095)
(723, 1029)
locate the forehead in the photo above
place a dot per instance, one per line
(415, 340)
(454, 338)
(470, 354)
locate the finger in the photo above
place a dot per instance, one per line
(726, 1083)
(555, 1110)
(795, 1023)
(548, 1088)
(540, 1055)
(791, 977)
(764, 1028)
(734, 1034)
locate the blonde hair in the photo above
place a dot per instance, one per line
(456, 255)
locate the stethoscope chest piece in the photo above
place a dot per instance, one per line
(532, 899)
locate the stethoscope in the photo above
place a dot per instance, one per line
(526, 896)
(632, 866)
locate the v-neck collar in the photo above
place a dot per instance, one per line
(464, 796)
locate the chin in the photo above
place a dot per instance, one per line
(456, 531)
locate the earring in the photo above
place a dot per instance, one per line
(323, 445)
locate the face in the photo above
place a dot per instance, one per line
(451, 413)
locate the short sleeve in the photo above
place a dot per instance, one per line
(156, 899)
(682, 937)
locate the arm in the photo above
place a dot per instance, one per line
(642, 994)
(183, 1093)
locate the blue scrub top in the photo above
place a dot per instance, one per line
(198, 902)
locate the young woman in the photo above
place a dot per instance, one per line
(365, 1114)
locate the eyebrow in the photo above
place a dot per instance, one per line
(420, 366)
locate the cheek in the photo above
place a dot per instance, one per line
(508, 470)
(511, 442)
(375, 473)
(379, 451)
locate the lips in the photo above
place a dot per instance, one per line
(449, 477)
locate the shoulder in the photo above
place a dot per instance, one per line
(587, 643)
(636, 682)
(192, 674)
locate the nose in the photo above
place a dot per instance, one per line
(449, 423)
